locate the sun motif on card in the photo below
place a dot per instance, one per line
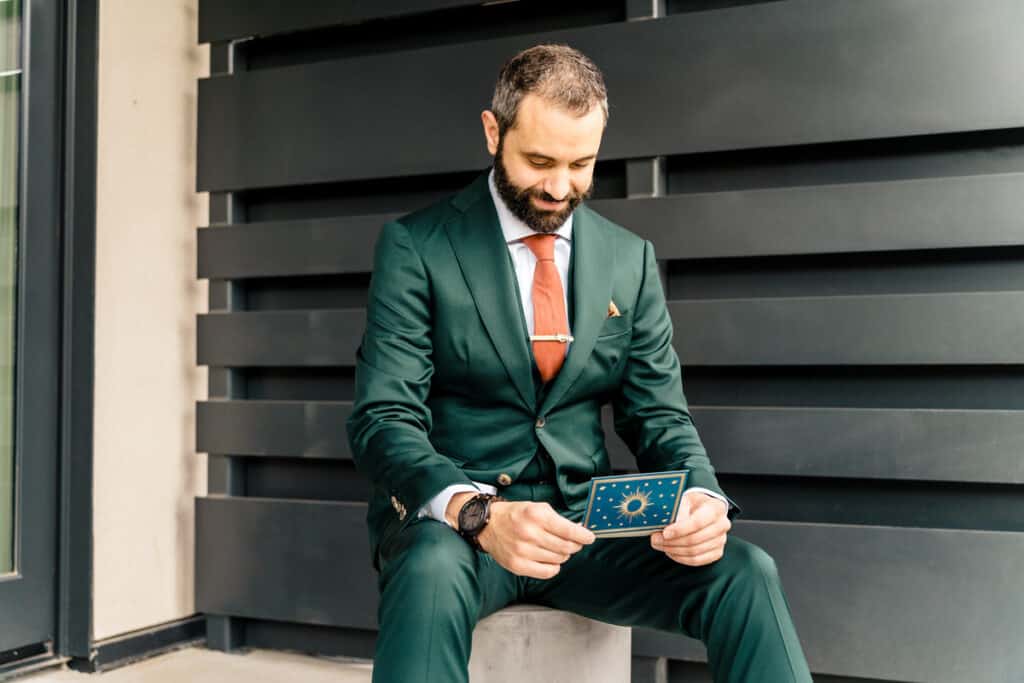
(633, 505)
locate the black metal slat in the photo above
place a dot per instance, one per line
(924, 329)
(883, 590)
(280, 338)
(308, 429)
(290, 248)
(221, 20)
(302, 561)
(966, 446)
(974, 446)
(901, 604)
(933, 213)
(969, 446)
(907, 215)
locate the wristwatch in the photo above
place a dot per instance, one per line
(474, 515)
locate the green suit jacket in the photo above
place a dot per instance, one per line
(444, 374)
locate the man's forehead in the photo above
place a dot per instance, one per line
(548, 130)
(540, 117)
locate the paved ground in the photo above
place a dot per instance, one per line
(199, 665)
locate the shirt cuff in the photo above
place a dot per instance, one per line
(438, 505)
(710, 493)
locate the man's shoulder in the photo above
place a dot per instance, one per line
(426, 221)
(618, 237)
(423, 230)
(421, 222)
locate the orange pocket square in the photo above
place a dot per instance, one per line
(613, 310)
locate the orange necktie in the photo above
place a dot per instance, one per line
(549, 316)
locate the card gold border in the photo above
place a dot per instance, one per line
(683, 476)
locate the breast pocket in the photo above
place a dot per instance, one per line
(604, 367)
(615, 327)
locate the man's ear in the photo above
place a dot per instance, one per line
(490, 130)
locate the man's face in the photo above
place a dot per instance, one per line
(544, 165)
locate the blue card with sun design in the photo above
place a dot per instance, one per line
(633, 504)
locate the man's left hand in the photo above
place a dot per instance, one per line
(698, 535)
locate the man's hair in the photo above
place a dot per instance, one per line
(559, 74)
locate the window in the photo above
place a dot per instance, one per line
(10, 117)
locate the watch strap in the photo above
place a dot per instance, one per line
(471, 535)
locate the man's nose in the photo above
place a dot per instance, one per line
(557, 186)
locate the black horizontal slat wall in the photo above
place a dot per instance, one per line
(797, 72)
(834, 190)
(233, 19)
(913, 215)
(959, 446)
(972, 328)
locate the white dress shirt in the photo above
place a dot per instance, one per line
(523, 258)
(524, 262)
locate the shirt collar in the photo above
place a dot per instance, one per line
(511, 226)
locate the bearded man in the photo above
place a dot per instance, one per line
(500, 321)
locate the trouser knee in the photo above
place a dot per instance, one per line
(748, 627)
(430, 603)
(744, 571)
(751, 562)
(433, 572)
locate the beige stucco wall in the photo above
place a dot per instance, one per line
(147, 298)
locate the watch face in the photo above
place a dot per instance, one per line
(471, 517)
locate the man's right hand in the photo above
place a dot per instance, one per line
(528, 538)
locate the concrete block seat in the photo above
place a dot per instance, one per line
(534, 644)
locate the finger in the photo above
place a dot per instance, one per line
(713, 506)
(535, 570)
(697, 550)
(680, 528)
(698, 554)
(536, 553)
(558, 525)
(717, 529)
(686, 505)
(683, 523)
(556, 544)
(718, 510)
(690, 542)
(699, 518)
(700, 560)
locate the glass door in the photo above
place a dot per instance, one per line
(10, 95)
(30, 288)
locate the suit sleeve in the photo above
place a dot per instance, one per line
(650, 410)
(390, 422)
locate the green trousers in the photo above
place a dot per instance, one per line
(434, 588)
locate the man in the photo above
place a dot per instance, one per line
(499, 322)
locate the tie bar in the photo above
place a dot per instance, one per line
(563, 338)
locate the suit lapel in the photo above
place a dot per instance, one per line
(480, 249)
(592, 287)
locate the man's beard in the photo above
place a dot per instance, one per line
(518, 200)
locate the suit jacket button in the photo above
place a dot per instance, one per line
(504, 479)
(540, 422)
